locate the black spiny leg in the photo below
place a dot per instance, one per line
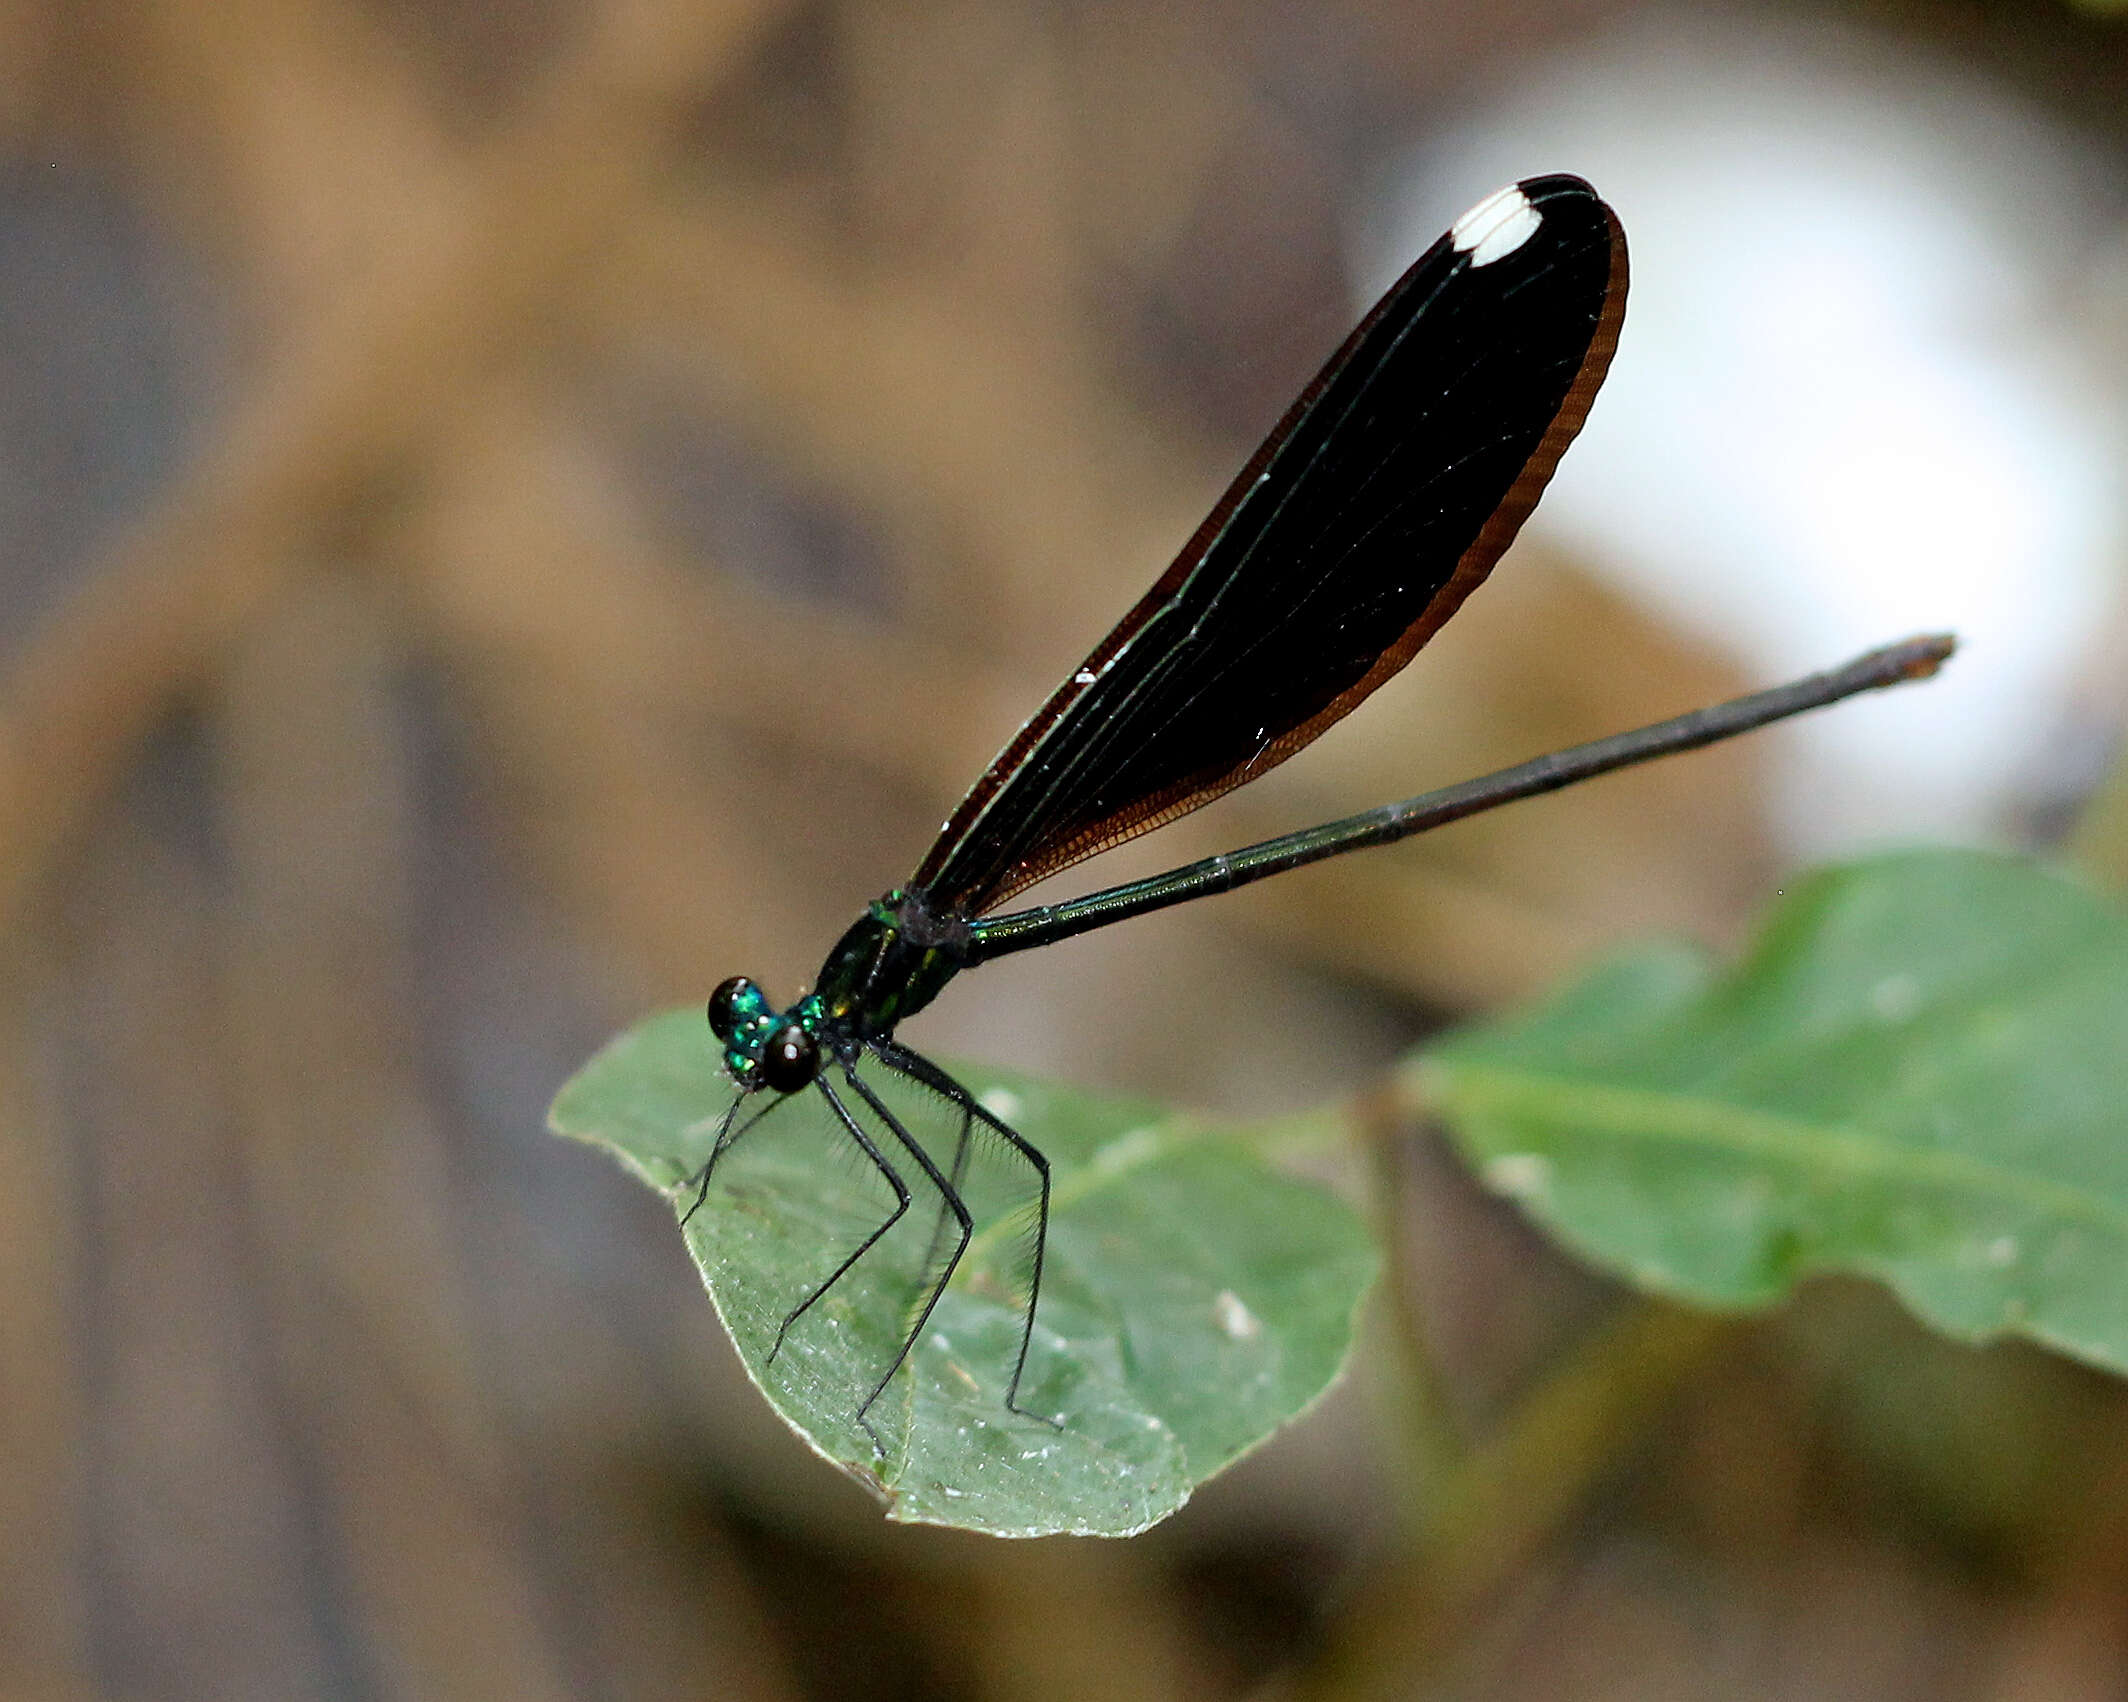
(954, 1202)
(921, 1070)
(727, 1138)
(957, 1175)
(901, 1204)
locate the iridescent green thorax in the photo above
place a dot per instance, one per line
(891, 963)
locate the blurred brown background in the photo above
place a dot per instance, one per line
(512, 512)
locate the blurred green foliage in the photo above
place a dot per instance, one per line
(1920, 1074)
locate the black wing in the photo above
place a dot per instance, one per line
(1379, 503)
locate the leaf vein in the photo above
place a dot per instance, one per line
(1639, 1114)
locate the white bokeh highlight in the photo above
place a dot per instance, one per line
(1847, 405)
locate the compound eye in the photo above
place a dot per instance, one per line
(790, 1058)
(724, 1006)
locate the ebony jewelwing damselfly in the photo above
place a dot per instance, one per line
(1379, 503)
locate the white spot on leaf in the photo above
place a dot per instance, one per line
(1521, 1175)
(1896, 998)
(1234, 1316)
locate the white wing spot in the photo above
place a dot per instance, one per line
(1084, 677)
(1496, 226)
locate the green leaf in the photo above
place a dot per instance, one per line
(1192, 1302)
(1920, 1073)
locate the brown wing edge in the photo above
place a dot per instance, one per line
(1471, 570)
(1476, 563)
